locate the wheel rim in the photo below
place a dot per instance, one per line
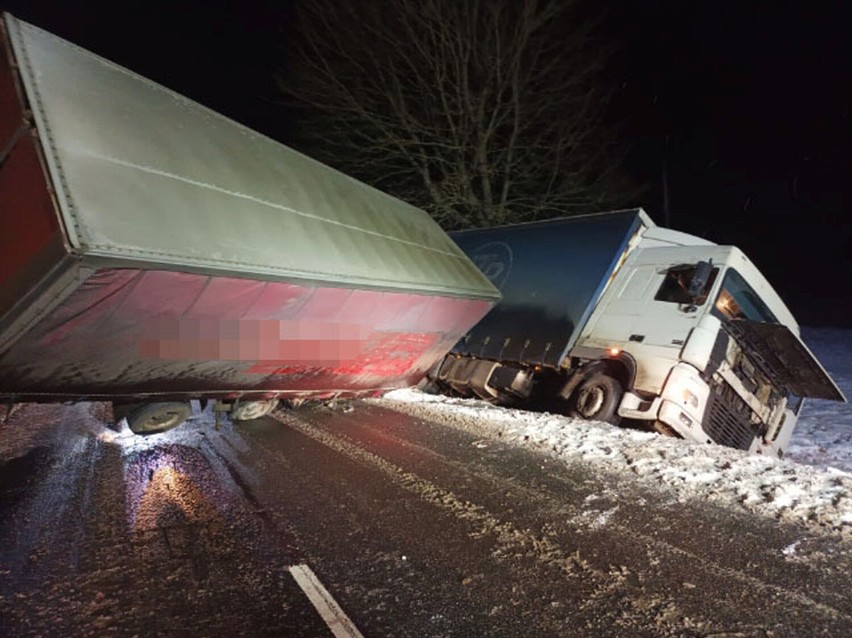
(254, 409)
(590, 401)
(153, 418)
(163, 421)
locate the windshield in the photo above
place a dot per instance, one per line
(737, 300)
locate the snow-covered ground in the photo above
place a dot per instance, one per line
(823, 435)
(813, 485)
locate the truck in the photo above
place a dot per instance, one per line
(611, 317)
(153, 252)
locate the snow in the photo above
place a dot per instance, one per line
(811, 486)
(823, 435)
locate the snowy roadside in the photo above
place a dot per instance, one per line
(823, 435)
(818, 497)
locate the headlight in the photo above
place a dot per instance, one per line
(690, 399)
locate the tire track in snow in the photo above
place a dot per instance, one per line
(508, 535)
(513, 539)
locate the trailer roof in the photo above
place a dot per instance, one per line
(145, 175)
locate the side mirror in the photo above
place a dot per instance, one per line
(700, 278)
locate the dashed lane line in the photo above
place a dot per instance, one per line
(336, 619)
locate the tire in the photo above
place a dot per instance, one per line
(597, 398)
(250, 410)
(429, 386)
(153, 418)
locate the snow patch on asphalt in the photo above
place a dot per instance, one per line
(815, 496)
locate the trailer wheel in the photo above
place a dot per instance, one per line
(248, 410)
(152, 418)
(597, 398)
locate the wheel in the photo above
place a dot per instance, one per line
(428, 385)
(152, 418)
(597, 398)
(248, 410)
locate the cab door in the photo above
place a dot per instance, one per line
(649, 304)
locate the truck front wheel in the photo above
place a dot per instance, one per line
(597, 398)
(153, 418)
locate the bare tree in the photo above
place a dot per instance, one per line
(480, 111)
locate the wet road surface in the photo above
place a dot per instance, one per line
(348, 520)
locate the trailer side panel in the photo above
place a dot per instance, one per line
(30, 235)
(126, 332)
(551, 274)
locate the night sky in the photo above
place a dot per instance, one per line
(747, 104)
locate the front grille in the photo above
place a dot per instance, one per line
(728, 419)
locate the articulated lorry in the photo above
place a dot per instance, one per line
(153, 251)
(611, 317)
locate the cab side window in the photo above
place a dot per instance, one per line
(675, 286)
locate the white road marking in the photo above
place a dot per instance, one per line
(328, 609)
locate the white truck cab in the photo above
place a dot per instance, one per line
(683, 334)
(726, 365)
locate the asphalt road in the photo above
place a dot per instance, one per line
(355, 519)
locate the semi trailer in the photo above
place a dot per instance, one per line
(153, 251)
(612, 317)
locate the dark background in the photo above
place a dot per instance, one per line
(749, 104)
(745, 106)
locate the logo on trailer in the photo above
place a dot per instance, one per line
(494, 259)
